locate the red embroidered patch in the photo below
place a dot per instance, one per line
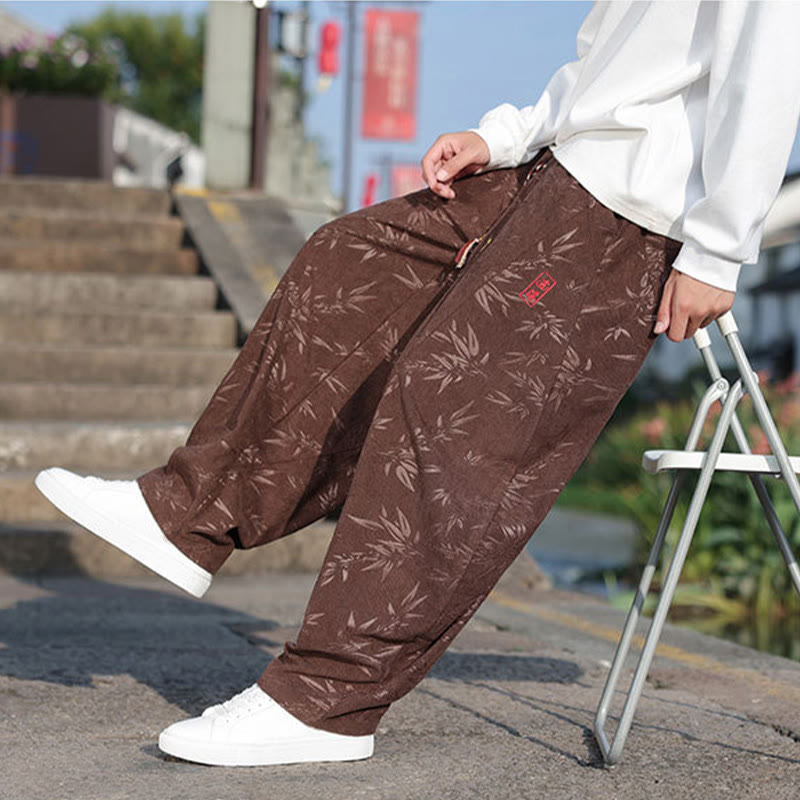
(538, 288)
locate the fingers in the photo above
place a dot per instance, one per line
(431, 163)
(708, 320)
(433, 166)
(452, 156)
(692, 324)
(447, 171)
(683, 311)
(688, 304)
(663, 316)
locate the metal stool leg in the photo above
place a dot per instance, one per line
(703, 342)
(729, 329)
(718, 390)
(612, 750)
(730, 398)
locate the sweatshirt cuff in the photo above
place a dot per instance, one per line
(704, 266)
(500, 143)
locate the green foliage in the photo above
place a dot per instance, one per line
(734, 567)
(160, 64)
(152, 64)
(62, 65)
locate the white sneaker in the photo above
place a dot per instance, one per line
(117, 512)
(251, 729)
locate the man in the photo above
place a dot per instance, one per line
(438, 365)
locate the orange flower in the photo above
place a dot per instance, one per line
(759, 443)
(789, 414)
(789, 385)
(710, 422)
(653, 429)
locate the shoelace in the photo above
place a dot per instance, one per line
(241, 702)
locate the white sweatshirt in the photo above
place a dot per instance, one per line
(680, 116)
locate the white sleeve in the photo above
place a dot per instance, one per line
(514, 135)
(751, 124)
(511, 133)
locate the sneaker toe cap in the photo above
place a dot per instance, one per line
(197, 729)
(62, 476)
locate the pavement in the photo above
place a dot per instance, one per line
(92, 670)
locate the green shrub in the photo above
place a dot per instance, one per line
(62, 65)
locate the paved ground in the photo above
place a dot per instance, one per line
(91, 671)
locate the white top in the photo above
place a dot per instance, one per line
(680, 116)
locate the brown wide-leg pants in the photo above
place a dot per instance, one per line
(439, 391)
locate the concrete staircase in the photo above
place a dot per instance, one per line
(110, 346)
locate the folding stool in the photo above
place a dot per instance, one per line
(778, 464)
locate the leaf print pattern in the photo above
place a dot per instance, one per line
(545, 323)
(436, 411)
(397, 544)
(464, 357)
(400, 463)
(643, 296)
(533, 398)
(615, 331)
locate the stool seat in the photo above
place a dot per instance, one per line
(655, 461)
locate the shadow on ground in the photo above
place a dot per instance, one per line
(192, 653)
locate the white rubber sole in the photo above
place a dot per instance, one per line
(346, 748)
(165, 560)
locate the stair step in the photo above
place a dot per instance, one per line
(25, 191)
(120, 326)
(114, 365)
(53, 290)
(34, 255)
(65, 401)
(145, 231)
(21, 501)
(59, 546)
(94, 448)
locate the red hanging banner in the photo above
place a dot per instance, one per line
(390, 75)
(370, 188)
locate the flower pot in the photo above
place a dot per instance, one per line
(62, 136)
(7, 127)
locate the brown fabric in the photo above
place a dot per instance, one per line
(441, 409)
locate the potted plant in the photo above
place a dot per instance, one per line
(54, 119)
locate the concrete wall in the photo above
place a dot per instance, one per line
(228, 93)
(293, 169)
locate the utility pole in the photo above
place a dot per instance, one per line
(261, 107)
(306, 12)
(384, 163)
(349, 86)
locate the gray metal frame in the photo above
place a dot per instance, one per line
(729, 396)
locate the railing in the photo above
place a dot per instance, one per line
(144, 148)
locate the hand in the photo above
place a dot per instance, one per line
(688, 304)
(453, 156)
